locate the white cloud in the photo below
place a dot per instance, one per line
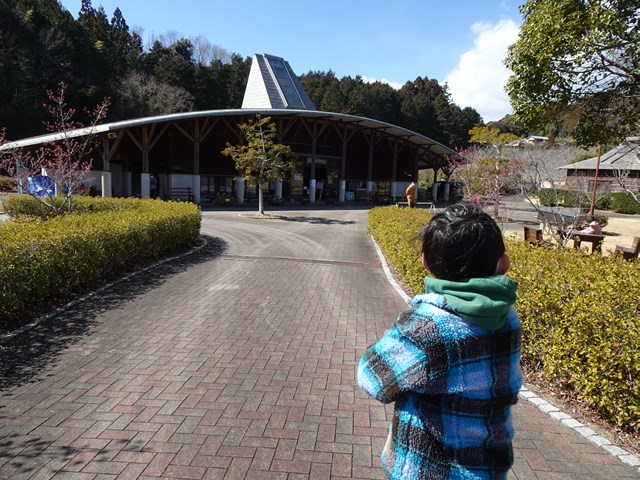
(479, 79)
(395, 85)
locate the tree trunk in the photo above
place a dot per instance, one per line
(260, 201)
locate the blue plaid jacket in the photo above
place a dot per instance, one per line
(453, 384)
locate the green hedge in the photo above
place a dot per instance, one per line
(579, 312)
(396, 230)
(622, 202)
(619, 202)
(27, 206)
(46, 262)
(7, 184)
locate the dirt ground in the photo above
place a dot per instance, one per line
(620, 230)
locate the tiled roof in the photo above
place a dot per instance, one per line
(622, 157)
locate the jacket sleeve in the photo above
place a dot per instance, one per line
(392, 366)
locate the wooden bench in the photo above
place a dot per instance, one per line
(225, 200)
(533, 235)
(179, 193)
(430, 205)
(629, 253)
(594, 240)
(558, 219)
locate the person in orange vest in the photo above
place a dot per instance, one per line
(411, 194)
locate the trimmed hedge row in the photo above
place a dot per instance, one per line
(27, 206)
(619, 202)
(396, 231)
(7, 184)
(580, 312)
(46, 262)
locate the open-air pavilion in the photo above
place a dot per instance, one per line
(342, 157)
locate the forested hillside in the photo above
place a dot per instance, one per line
(98, 55)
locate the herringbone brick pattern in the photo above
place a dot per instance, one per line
(234, 362)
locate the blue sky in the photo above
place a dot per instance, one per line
(461, 42)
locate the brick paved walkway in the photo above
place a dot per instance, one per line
(234, 362)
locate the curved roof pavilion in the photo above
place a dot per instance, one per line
(344, 157)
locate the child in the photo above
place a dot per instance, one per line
(451, 361)
(593, 228)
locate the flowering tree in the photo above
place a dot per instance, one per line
(64, 163)
(260, 158)
(487, 177)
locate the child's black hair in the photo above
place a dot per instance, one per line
(462, 242)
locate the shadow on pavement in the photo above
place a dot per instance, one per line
(316, 220)
(25, 356)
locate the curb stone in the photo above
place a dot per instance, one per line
(579, 427)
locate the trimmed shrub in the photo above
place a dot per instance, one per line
(581, 325)
(27, 206)
(7, 184)
(46, 262)
(550, 197)
(396, 231)
(603, 201)
(579, 312)
(622, 202)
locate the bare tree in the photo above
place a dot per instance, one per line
(168, 38)
(621, 174)
(541, 169)
(205, 52)
(142, 95)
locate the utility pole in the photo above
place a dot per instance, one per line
(595, 182)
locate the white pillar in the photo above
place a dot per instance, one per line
(434, 191)
(369, 189)
(341, 190)
(394, 188)
(279, 189)
(105, 184)
(240, 190)
(145, 185)
(312, 190)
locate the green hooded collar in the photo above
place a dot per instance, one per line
(485, 301)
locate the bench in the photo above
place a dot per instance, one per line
(179, 193)
(594, 240)
(430, 205)
(629, 253)
(558, 219)
(533, 235)
(224, 200)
